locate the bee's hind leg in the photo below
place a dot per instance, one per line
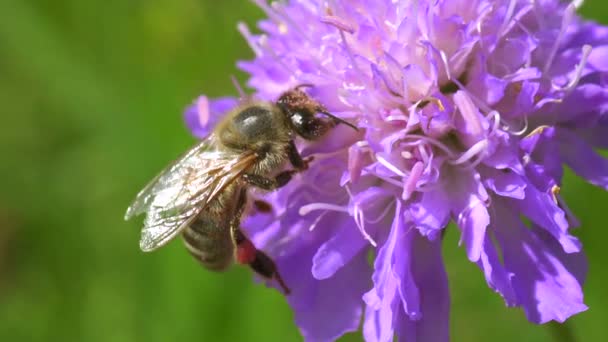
(247, 253)
(262, 264)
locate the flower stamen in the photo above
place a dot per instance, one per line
(306, 209)
(537, 130)
(578, 71)
(389, 166)
(338, 23)
(522, 130)
(420, 139)
(249, 38)
(507, 19)
(566, 19)
(359, 217)
(479, 147)
(410, 184)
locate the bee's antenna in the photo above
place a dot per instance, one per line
(337, 119)
(236, 84)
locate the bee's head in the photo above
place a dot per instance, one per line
(300, 110)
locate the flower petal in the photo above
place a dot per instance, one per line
(202, 116)
(544, 285)
(378, 323)
(339, 250)
(504, 182)
(583, 159)
(497, 277)
(469, 210)
(431, 213)
(541, 209)
(429, 275)
(324, 309)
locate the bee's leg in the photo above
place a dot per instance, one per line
(239, 207)
(282, 178)
(246, 252)
(265, 183)
(262, 264)
(295, 158)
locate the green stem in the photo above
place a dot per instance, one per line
(561, 332)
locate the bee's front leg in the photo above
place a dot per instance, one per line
(295, 158)
(282, 178)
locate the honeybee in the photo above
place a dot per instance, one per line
(203, 193)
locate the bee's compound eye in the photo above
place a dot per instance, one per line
(308, 126)
(254, 121)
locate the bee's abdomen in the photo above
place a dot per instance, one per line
(209, 243)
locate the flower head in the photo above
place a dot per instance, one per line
(468, 112)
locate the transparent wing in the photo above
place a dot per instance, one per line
(174, 198)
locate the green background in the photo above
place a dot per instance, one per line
(91, 96)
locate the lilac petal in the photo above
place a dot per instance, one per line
(544, 285)
(324, 309)
(393, 278)
(525, 100)
(576, 263)
(598, 59)
(384, 268)
(409, 267)
(470, 123)
(416, 80)
(434, 121)
(469, 209)
(488, 88)
(505, 155)
(429, 275)
(394, 288)
(540, 208)
(202, 116)
(583, 160)
(497, 277)
(378, 323)
(403, 259)
(580, 107)
(504, 182)
(511, 54)
(356, 158)
(587, 33)
(473, 223)
(431, 213)
(532, 140)
(544, 165)
(338, 251)
(596, 136)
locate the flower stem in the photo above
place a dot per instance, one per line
(561, 332)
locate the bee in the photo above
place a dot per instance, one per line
(203, 194)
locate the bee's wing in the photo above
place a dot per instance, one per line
(178, 194)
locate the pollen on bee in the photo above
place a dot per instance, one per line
(245, 252)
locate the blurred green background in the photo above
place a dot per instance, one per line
(91, 96)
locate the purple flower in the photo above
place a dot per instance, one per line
(468, 112)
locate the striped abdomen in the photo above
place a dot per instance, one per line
(209, 241)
